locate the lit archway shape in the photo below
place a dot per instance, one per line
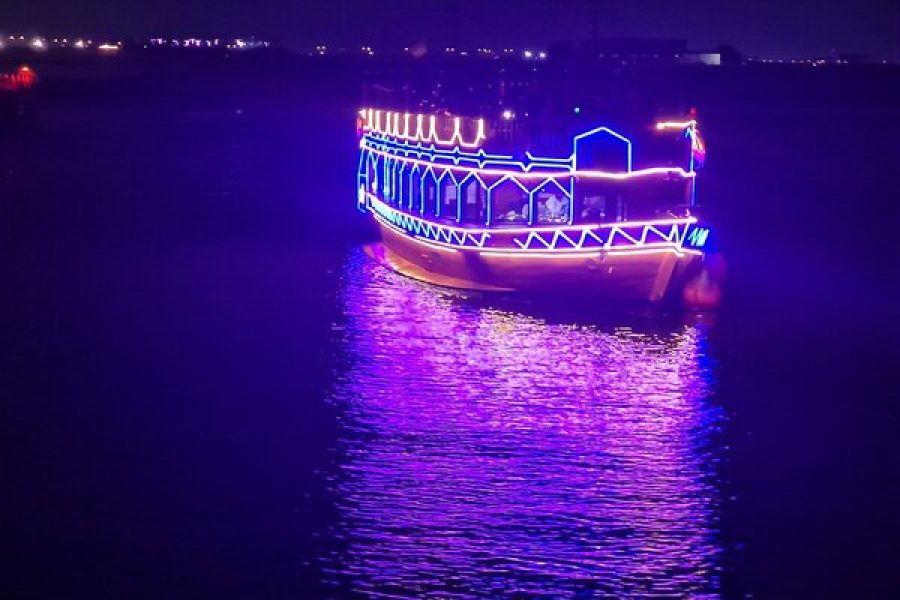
(490, 197)
(400, 184)
(547, 183)
(440, 192)
(611, 133)
(429, 175)
(415, 182)
(461, 184)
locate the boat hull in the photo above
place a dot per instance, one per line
(626, 277)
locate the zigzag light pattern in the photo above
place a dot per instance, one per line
(663, 234)
(454, 236)
(561, 240)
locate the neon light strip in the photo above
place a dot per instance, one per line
(589, 174)
(583, 255)
(375, 201)
(675, 236)
(575, 251)
(458, 183)
(430, 230)
(434, 246)
(415, 238)
(679, 252)
(452, 238)
(480, 158)
(676, 124)
(422, 133)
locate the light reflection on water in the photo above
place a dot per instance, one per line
(491, 453)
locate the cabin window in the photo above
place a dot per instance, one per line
(415, 191)
(509, 204)
(653, 198)
(449, 199)
(596, 209)
(386, 180)
(372, 176)
(429, 190)
(552, 206)
(474, 200)
(399, 184)
(392, 194)
(600, 201)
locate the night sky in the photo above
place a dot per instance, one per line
(767, 28)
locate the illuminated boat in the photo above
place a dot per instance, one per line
(15, 94)
(465, 203)
(19, 80)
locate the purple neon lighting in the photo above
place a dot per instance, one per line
(485, 452)
(615, 251)
(431, 153)
(456, 236)
(560, 239)
(398, 154)
(520, 174)
(662, 234)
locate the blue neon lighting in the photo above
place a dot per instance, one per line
(698, 236)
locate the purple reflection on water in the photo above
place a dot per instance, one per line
(489, 453)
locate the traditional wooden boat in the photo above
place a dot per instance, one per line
(465, 203)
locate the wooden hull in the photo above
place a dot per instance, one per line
(633, 277)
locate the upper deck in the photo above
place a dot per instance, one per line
(475, 172)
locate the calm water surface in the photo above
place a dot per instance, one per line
(489, 452)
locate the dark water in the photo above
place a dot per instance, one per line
(209, 391)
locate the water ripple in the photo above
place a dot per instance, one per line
(488, 453)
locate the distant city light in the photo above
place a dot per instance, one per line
(508, 115)
(40, 43)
